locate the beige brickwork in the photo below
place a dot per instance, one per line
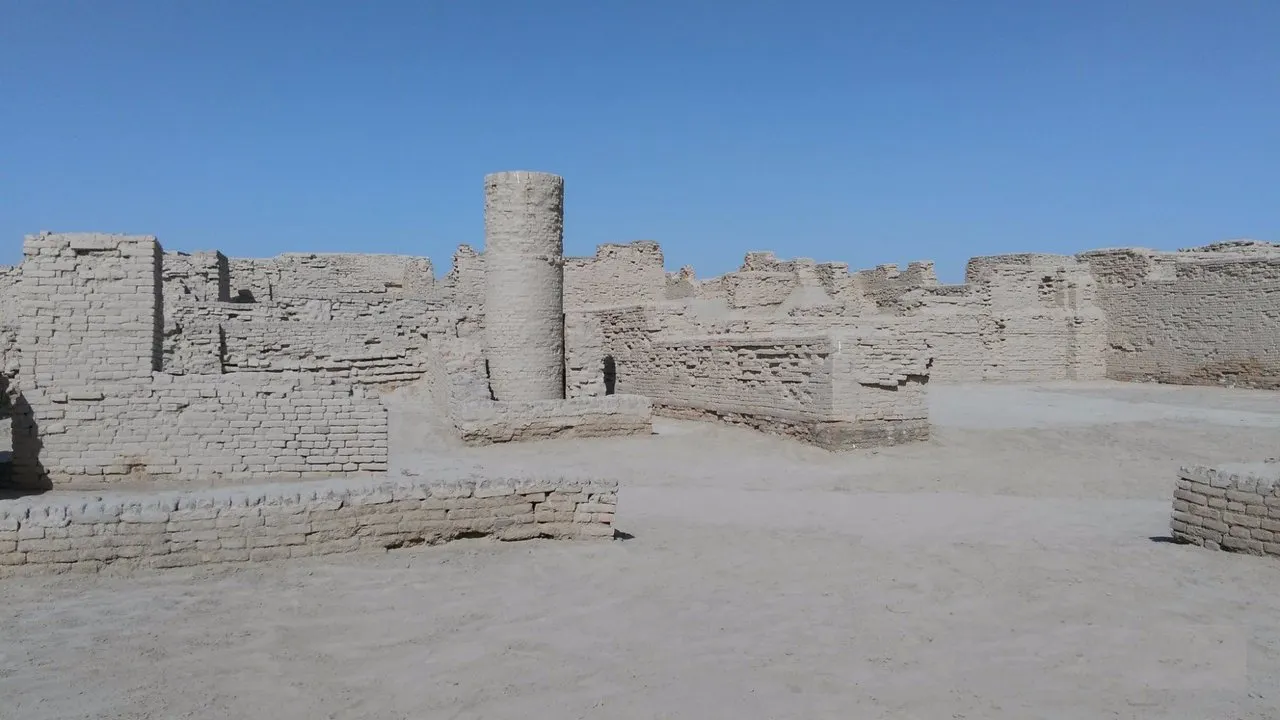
(1206, 316)
(1229, 507)
(122, 361)
(95, 402)
(77, 532)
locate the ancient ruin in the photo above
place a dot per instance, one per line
(188, 396)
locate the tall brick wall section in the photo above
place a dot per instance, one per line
(366, 318)
(180, 428)
(91, 309)
(1203, 318)
(303, 274)
(631, 274)
(94, 403)
(191, 283)
(10, 316)
(463, 286)
(893, 291)
(1019, 318)
(524, 285)
(363, 352)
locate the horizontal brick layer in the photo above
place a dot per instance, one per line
(1229, 508)
(175, 529)
(485, 422)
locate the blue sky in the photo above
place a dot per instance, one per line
(854, 131)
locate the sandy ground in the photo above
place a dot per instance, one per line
(1005, 569)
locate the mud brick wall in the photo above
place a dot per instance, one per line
(90, 309)
(60, 532)
(878, 380)
(618, 275)
(841, 389)
(320, 274)
(893, 291)
(771, 376)
(1017, 318)
(1204, 317)
(487, 422)
(9, 319)
(370, 353)
(93, 404)
(1229, 507)
(183, 428)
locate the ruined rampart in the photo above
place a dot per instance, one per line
(1203, 317)
(95, 402)
(850, 389)
(1016, 318)
(125, 362)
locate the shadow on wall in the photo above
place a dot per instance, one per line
(21, 472)
(610, 375)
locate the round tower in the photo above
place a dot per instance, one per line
(524, 285)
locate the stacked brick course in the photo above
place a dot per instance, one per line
(630, 273)
(96, 404)
(185, 428)
(484, 423)
(1206, 316)
(1229, 507)
(169, 529)
(1017, 317)
(852, 388)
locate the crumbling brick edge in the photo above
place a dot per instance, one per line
(1229, 507)
(164, 529)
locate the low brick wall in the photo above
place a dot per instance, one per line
(88, 531)
(488, 422)
(1229, 507)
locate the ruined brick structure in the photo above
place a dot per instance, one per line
(125, 365)
(1201, 316)
(1229, 507)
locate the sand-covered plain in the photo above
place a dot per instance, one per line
(1011, 567)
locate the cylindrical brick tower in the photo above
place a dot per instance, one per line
(524, 285)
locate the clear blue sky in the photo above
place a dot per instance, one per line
(866, 132)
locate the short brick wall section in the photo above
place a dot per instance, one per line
(61, 531)
(486, 423)
(1229, 507)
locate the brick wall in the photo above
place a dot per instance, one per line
(1229, 507)
(1017, 318)
(892, 291)
(627, 274)
(1202, 317)
(90, 309)
(93, 402)
(182, 428)
(369, 353)
(56, 533)
(10, 316)
(304, 274)
(858, 386)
